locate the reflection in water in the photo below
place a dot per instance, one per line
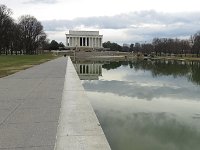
(141, 91)
(148, 105)
(88, 71)
(148, 131)
(147, 125)
(189, 69)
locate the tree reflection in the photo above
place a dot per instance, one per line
(112, 65)
(188, 69)
(195, 73)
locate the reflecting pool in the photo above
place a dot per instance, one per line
(147, 105)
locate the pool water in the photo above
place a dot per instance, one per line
(148, 105)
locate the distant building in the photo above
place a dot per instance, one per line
(84, 40)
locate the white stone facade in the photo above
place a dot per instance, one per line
(84, 39)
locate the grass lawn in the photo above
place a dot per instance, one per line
(12, 63)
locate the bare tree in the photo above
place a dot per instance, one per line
(157, 45)
(196, 45)
(32, 33)
(6, 24)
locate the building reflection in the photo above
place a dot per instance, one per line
(88, 71)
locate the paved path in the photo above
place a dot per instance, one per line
(30, 102)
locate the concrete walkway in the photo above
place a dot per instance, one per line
(32, 116)
(30, 106)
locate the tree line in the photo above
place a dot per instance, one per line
(53, 45)
(24, 36)
(162, 46)
(112, 46)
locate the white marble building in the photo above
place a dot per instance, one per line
(84, 39)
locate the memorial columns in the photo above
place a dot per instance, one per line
(66, 41)
(78, 42)
(72, 40)
(90, 39)
(97, 42)
(92, 42)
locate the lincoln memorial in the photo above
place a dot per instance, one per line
(84, 40)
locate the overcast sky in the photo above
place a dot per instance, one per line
(121, 21)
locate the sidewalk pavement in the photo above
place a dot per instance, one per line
(30, 102)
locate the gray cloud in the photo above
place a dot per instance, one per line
(131, 20)
(144, 24)
(41, 1)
